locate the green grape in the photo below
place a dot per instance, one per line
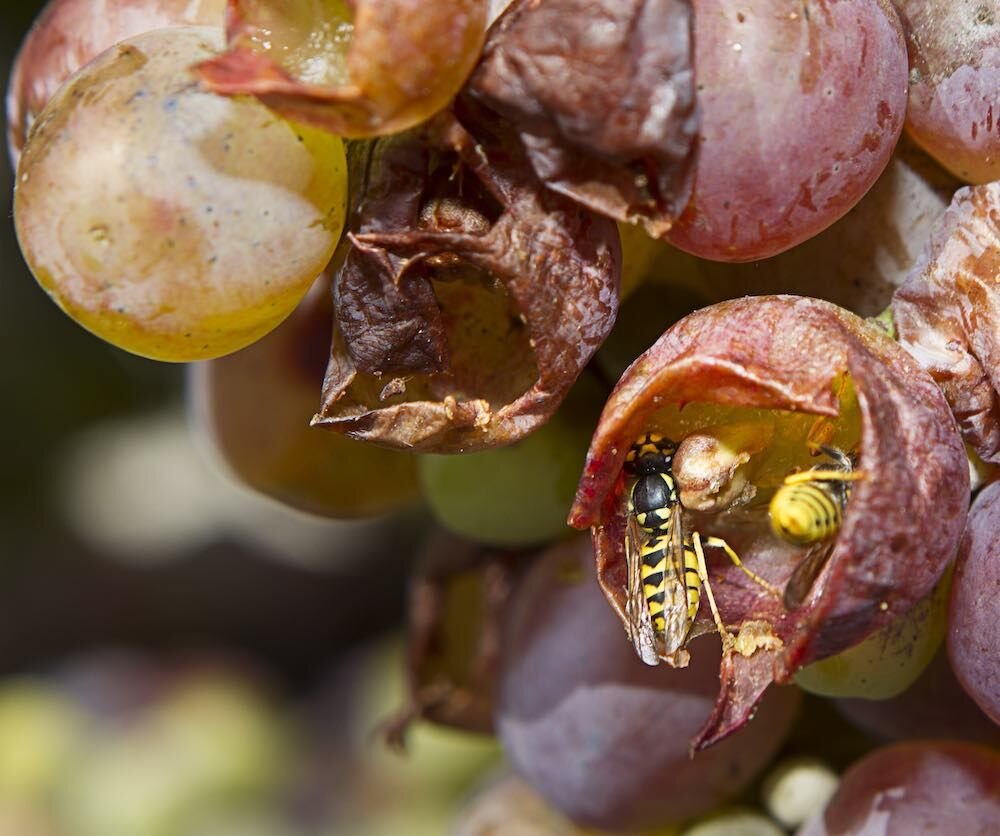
(521, 494)
(740, 820)
(887, 662)
(171, 222)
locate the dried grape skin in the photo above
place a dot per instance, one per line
(601, 94)
(947, 313)
(69, 33)
(801, 109)
(600, 735)
(974, 616)
(402, 62)
(173, 223)
(954, 107)
(916, 787)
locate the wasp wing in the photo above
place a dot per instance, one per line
(675, 598)
(805, 573)
(637, 618)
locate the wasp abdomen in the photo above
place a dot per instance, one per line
(806, 513)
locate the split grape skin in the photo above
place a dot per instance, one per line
(797, 120)
(600, 735)
(380, 67)
(783, 353)
(69, 33)
(947, 313)
(143, 209)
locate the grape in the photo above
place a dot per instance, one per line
(173, 223)
(601, 736)
(740, 820)
(797, 788)
(955, 73)
(888, 662)
(254, 408)
(935, 706)
(357, 68)
(69, 33)
(798, 120)
(509, 807)
(974, 615)
(923, 787)
(516, 495)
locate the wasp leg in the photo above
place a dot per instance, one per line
(727, 637)
(719, 543)
(824, 476)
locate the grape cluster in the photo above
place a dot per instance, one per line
(461, 252)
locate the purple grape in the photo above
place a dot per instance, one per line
(601, 736)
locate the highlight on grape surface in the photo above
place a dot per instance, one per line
(629, 365)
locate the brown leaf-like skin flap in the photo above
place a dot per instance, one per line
(903, 522)
(947, 313)
(479, 212)
(406, 60)
(457, 599)
(609, 120)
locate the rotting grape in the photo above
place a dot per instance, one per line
(600, 735)
(974, 614)
(916, 787)
(953, 112)
(797, 120)
(69, 33)
(785, 357)
(254, 406)
(173, 223)
(356, 68)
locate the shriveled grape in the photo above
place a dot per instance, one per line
(918, 787)
(603, 737)
(173, 223)
(802, 106)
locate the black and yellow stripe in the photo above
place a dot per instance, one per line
(807, 512)
(657, 562)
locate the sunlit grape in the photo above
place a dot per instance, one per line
(173, 223)
(69, 33)
(798, 120)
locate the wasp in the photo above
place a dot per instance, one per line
(665, 563)
(807, 510)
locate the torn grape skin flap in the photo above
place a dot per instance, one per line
(902, 524)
